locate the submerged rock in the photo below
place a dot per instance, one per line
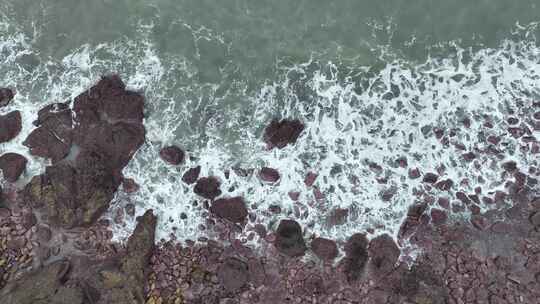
(6, 96)
(281, 133)
(12, 166)
(232, 209)
(208, 187)
(289, 238)
(172, 155)
(10, 126)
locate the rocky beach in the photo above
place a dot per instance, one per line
(56, 249)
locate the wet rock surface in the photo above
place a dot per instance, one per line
(289, 238)
(232, 209)
(208, 187)
(12, 165)
(6, 96)
(172, 155)
(279, 134)
(10, 126)
(88, 151)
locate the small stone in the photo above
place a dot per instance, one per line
(310, 179)
(325, 249)
(191, 175)
(172, 154)
(6, 96)
(384, 253)
(208, 187)
(414, 173)
(130, 209)
(430, 178)
(281, 133)
(12, 165)
(130, 186)
(469, 156)
(293, 195)
(269, 175)
(233, 274)
(232, 209)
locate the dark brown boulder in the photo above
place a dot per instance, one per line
(191, 175)
(281, 133)
(172, 155)
(6, 96)
(208, 187)
(356, 256)
(325, 249)
(10, 126)
(384, 253)
(430, 178)
(232, 209)
(130, 185)
(269, 175)
(233, 274)
(289, 238)
(12, 166)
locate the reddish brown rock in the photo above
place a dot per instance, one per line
(469, 156)
(325, 249)
(444, 185)
(191, 175)
(10, 126)
(289, 238)
(12, 166)
(208, 187)
(414, 173)
(129, 185)
(233, 274)
(430, 178)
(53, 137)
(6, 96)
(281, 133)
(232, 209)
(269, 175)
(384, 254)
(293, 195)
(310, 179)
(172, 155)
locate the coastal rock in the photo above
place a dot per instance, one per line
(6, 96)
(97, 143)
(10, 126)
(281, 133)
(289, 238)
(191, 175)
(172, 155)
(356, 256)
(232, 209)
(74, 195)
(12, 166)
(384, 253)
(79, 280)
(269, 175)
(208, 187)
(325, 249)
(233, 274)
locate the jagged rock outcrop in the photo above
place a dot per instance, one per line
(80, 280)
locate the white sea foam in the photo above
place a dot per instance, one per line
(351, 120)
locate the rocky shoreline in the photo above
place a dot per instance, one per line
(55, 249)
